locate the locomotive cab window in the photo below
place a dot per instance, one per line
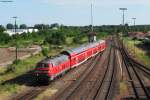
(42, 65)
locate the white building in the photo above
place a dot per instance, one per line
(19, 31)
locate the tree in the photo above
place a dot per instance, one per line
(55, 25)
(56, 38)
(2, 29)
(23, 26)
(41, 26)
(45, 51)
(9, 26)
(4, 38)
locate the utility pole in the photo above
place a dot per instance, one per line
(91, 17)
(134, 21)
(134, 28)
(15, 17)
(91, 34)
(123, 27)
(123, 15)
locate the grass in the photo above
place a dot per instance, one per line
(102, 35)
(22, 67)
(47, 93)
(123, 88)
(139, 53)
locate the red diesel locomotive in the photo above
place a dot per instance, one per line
(50, 68)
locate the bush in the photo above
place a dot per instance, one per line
(77, 39)
(16, 61)
(9, 69)
(56, 38)
(45, 51)
(4, 38)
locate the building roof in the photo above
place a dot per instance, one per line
(20, 31)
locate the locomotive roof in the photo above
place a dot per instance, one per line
(56, 60)
(84, 47)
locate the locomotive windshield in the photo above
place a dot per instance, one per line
(42, 65)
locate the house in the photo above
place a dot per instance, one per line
(20, 31)
(92, 36)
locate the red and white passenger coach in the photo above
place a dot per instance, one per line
(50, 68)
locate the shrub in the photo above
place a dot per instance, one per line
(16, 61)
(9, 69)
(45, 51)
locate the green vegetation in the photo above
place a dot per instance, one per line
(123, 88)
(102, 35)
(20, 68)
(13, 71)
(53, 34)
(45, 51)
(140, 54)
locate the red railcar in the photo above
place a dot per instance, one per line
(50, 68)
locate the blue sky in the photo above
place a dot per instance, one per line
(74, 12)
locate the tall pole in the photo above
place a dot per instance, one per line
(15, 17)
(134, 38)
(91, 17)
(123, 15)
(123, 27)
(123, 18)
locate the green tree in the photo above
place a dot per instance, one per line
(41, 26)
(2, 29)
(45, 51)
(4, 38)
(56, 38)
(55, 25)
(23, 26)
(9, 26)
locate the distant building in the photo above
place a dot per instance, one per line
(20, 31)
(91, 36)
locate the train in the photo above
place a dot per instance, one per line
(49, 69)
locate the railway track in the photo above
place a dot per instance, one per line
(31, 94)
(88, 86)
(105, 87)
(141, 67)
(139, 89)
(35, 91)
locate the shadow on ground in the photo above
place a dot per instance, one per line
(140, 98)
(27, 79)
(145, 48)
